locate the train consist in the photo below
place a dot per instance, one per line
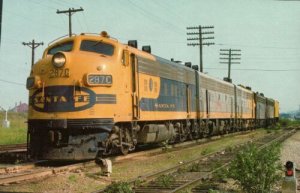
(90, 96)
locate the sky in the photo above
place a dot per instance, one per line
(266, 31)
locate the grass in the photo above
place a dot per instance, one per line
(165, 180)
(288, 122)
(17, 133)
(144, 165)
(73, 178)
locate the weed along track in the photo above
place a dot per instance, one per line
(196, 175)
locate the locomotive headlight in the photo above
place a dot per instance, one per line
(58, 60)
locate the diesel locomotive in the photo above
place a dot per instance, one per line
(91, 95)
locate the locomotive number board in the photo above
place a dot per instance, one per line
(97, 79)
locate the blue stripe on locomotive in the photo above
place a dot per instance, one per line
(169, 100)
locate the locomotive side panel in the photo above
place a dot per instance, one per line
(270, 108)
(276, 110)
(261, 107)
(174, 88)
(216, 98)
(246, 103)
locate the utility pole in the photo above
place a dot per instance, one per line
(1, 10)
(69, 12)
(230, 53)
(199, 41)
(32, 45)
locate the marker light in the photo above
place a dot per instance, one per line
(59, 59)
(30, 82)
(33, 82)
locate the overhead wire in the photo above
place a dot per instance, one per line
(157, 18)
(269, 47)
(12, 82)
(255, 69)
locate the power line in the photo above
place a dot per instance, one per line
(85, 22)
(256, 69)
(153, 17)
(11, 82)
(40, 4)
(254, 46)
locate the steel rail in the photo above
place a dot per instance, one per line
(13, 148)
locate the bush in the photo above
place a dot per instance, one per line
(120, 187)
(287, 122)
(165, 180)
(256, 171)
(206, 151)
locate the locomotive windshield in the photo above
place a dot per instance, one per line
(97, 47)
(64, 47)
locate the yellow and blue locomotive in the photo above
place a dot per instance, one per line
(91, 95)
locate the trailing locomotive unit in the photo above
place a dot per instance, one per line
(91, 95)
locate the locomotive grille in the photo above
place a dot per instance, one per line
(103, 123)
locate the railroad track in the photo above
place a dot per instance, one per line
(13, 148)
(34, 170)
(37, 170)
(190, 175)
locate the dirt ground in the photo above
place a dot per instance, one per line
(290, 150)
(89, 180)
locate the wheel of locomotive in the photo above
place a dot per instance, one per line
(195, 131)
(206, 129)
(125, 141)
(227, 127)
(179, 129)
(124, 149)
(184, 133)
(211, 128)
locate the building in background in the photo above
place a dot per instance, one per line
(20, 108)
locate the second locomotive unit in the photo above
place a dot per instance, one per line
(90, 96)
